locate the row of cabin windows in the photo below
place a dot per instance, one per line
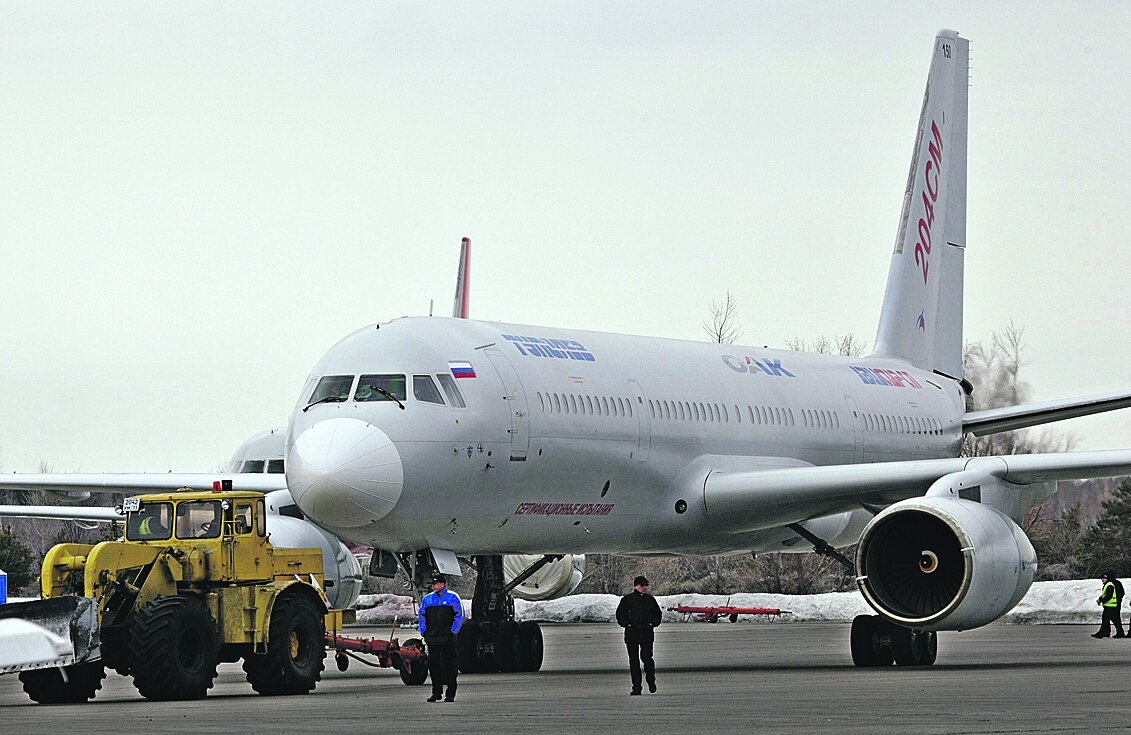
(583, 405)
(668, 410)
(691, 411)
(770, 415)
(902, 424)
(819, 419)
(388, 387)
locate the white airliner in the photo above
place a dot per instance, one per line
(431, 438)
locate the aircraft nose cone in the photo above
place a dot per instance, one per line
(345, 472)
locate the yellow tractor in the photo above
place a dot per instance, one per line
(194, 582)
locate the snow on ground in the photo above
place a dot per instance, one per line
(1045, 603)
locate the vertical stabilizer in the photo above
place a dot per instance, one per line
(921, 318)
(461, 305)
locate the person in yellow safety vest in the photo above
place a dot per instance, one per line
(1109, 601)
(150, 526)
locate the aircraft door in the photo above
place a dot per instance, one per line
(515, 397)
(643, 422)
(857, 439)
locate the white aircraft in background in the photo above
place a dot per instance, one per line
(262, 453)
(430, 439)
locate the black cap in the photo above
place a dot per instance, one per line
(641, 580)
(439, 578)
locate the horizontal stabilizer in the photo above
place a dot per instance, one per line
(995, 420)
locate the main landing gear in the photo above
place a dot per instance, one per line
(491, 640)
(877, 641)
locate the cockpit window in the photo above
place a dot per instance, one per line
(276, 467)
(252, 467)
(455, 398)
(332, 389)
(423, 389)
(370, 388)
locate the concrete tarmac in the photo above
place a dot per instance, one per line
(758, 677)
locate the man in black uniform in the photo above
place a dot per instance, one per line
(639, 614)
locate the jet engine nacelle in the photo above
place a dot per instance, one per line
(944, 564)
(556, 579)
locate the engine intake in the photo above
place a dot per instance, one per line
(943, 564)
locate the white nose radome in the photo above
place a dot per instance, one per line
(345, 472)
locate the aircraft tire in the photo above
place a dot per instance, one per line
(419, 669)
(173, 649)
(508, 647)
(914, 647)
(930, 647)
(484, 653)
(296, 649)
(871, 641)
(467, 645)
(47, 686)
(530, 646)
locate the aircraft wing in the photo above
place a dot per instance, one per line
(61, 512)
(994, 420)
(81, 485)
(756, 499)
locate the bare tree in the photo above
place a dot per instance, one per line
(716, 574)
(723, 327)
(801, 574)
(848, 345)
(995, 373)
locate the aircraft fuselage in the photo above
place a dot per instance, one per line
(578, 441)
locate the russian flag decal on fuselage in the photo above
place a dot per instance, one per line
(462, 369)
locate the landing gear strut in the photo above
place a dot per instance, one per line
(492, 640)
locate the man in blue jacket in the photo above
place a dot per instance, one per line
(441, 615)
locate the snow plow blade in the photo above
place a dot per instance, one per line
(72, 619)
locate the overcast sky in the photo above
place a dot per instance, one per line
(198, 199)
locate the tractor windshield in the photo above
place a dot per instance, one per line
(199, 519)
(151, 522)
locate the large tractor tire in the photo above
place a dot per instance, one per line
(173, 649)
(50, 686)
(296, 649)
